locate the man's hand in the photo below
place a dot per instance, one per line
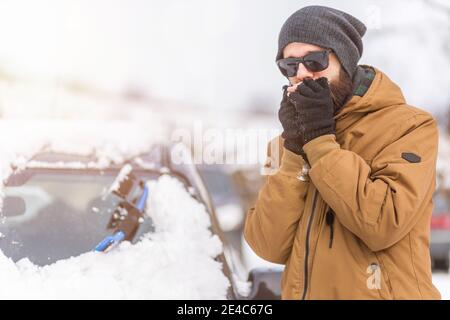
(313, 102)
(289, 118)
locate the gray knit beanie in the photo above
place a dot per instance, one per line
(327, 28)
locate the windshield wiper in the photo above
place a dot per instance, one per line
(130, 210)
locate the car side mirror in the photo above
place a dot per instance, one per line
(266, 283)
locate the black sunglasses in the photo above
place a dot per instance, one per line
(314, 62)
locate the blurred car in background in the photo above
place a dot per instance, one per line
(233, 191)
(440, 230)
(226, 201)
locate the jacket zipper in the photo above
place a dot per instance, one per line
(308, 234)
(330, 222)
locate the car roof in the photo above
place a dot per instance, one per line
(153, 159)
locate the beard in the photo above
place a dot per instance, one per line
(341, 91)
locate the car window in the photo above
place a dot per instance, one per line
(47, 216)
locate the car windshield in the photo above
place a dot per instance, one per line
(48, 216)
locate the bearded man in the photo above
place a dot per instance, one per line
(348, 212)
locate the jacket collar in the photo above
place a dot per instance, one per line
(380, 92)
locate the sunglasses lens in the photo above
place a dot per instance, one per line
(288, 67)
(316, 61)
(315, 66)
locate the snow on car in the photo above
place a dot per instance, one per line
(78, 162)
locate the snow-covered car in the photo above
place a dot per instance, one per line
(56, 210)
(440, 230)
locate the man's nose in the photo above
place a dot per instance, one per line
(303, 73)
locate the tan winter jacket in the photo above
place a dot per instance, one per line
(360, 228)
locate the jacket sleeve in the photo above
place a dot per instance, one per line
(271, 224)
(380, 203)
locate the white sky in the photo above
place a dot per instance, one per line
(218, 54)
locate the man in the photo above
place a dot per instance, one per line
(348, 212)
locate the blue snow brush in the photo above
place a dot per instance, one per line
(110, 242)
(129, 213)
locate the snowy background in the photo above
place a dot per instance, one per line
(212, 54)
(119, 68)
